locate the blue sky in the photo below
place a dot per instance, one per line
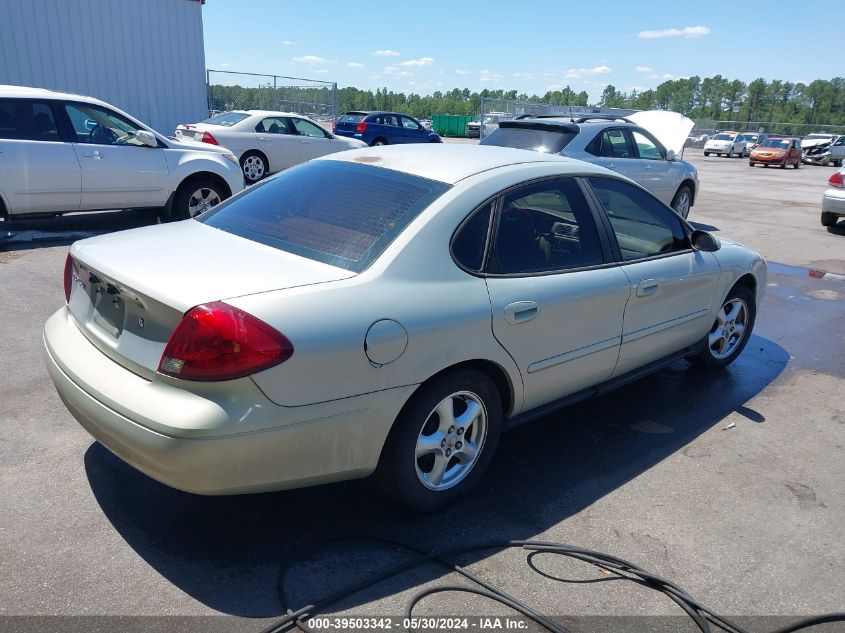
(426, 46)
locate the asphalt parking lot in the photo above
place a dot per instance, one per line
(730, 483)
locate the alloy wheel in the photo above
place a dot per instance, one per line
(202, 200)
(729, 329)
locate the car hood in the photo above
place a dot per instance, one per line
(815, 141)
(670, 128)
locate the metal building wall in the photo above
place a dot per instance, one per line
(144, 56)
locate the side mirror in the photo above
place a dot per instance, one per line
(146, 138)
(670, 154)
(704, 241)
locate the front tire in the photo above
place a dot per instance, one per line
(254, 166)
(707, 153)
(730, 331)
(442, 441)
(682, 201)
(196, 196)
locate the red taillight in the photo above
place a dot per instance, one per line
(208, 138)
(334, 126)
(68, 276)
(216, 341)
(836, 180)
(361, 127)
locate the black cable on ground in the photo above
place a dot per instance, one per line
(622, 570)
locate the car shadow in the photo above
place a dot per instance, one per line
(837, 229)
(65, 229)
(226, 552)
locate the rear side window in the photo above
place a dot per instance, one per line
(26, 120)
(338, 213)
(471, 239)
(227, 119)
(538, 139)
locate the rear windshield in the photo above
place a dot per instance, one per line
(352, 117)
(227, 119)
(338, 213)
(524, 137)
(723, 137)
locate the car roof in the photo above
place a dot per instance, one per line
(451, 163)
(28, 92)
(269, 113)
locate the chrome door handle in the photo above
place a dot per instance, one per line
(95, 155)
(521, 311)
(647, 287)
(647, 166)
(305, 142)
(263, 138)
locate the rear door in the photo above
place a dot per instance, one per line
(118, 171)
(672, 287)
(557, 304)
(38, 172)
(615, 150)
(279, 142)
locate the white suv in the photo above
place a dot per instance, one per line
(62, 152)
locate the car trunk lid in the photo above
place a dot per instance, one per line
(128, 300)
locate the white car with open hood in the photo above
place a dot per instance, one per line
(62, 152)
(266, 141)
(645, 146)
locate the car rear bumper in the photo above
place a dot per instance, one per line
(194, 443)
(833, 201)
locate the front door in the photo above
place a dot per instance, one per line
(557, 305)
(118, 171)
(313, 140)
(672, 286)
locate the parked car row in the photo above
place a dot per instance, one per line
(813, 149)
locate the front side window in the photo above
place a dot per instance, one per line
(647, 148)
(273, 125)
(409, 124)
(334, 212)
(306, 128)
(25, 120)
(92, 124)
(545, 227)
(643, 226)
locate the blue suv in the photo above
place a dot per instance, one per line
(383, 128)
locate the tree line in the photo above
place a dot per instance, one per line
(713, 98)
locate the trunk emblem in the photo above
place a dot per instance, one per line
(141, 322)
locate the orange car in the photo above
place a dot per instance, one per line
(777, 151)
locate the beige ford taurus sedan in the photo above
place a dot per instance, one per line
(388, 310)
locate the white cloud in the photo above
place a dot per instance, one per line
(321, 71)
(310, 59)
(577, 73)
(687, 31)
(440, 72)
(422, 61)
(288, 43)
(225, 65)
(389, 70)
(528, 76)
(375, 76)
(554, 87)
(665, 76)
(386, 53)
(644, 69)
(459, 71)
(404, 73)
(354, 65)
(487, 76)
(547, 74)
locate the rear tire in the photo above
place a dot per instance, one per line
(797, 164)
(707, 153)
(750, 164)
(196, 196)
(730, 331)
(429, 460)
(254, 166)
(829, 219)
(783, 164)
(379, 141)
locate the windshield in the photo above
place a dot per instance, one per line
(227, 119)
(538, 139)
(777, 143)
(723, 137)
(339, 213)
(816, 137)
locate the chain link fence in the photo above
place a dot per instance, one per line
(229, 90)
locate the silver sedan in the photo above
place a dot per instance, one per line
(388, 310)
